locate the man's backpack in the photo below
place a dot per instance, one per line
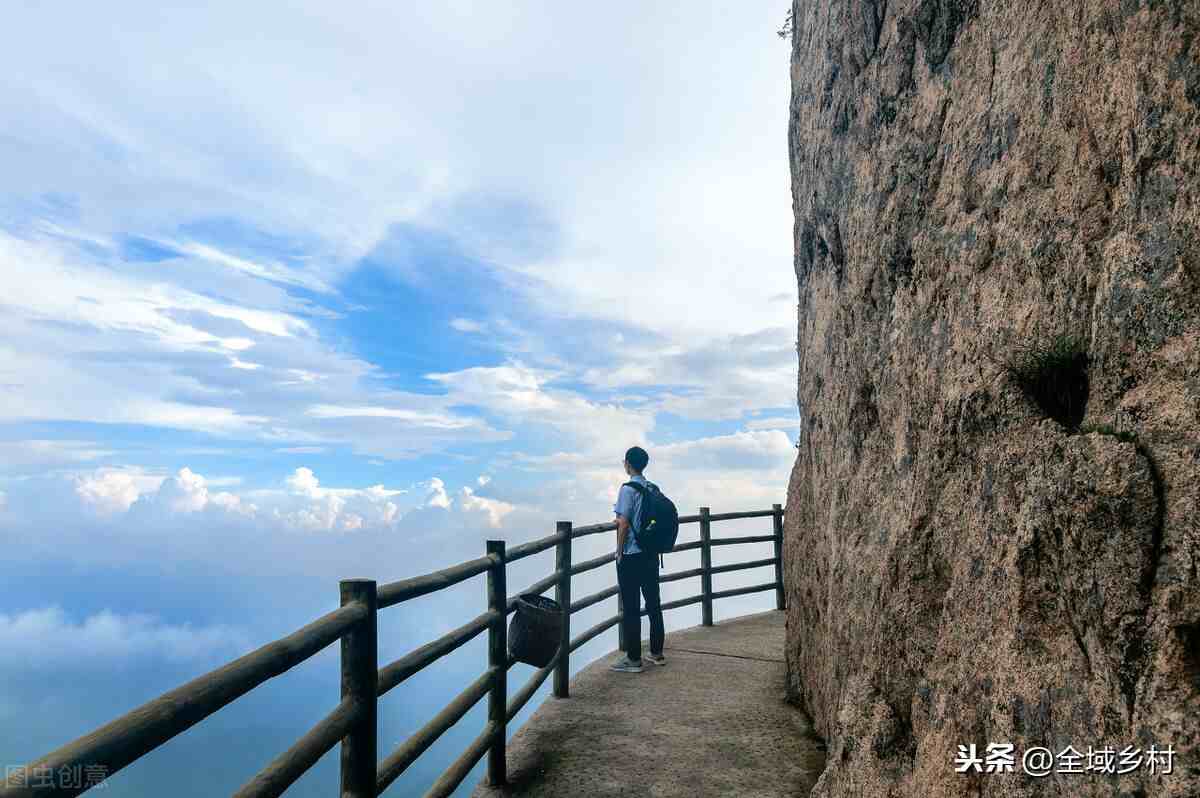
(658, 522)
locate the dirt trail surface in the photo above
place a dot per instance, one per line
(713, 721)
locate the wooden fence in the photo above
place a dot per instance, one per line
(352, 723)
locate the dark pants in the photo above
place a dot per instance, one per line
(639, 573)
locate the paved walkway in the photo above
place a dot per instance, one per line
(711, 722)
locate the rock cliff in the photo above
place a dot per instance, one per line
(993, 529)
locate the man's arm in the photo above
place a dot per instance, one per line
(622, 533)
(623, 509)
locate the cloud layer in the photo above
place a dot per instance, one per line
(295, 293)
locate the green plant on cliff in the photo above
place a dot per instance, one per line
(1125, 436)
(1054, 375)
(785, 31)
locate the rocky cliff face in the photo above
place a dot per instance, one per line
(976, 182)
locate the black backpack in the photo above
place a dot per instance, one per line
(658, 521)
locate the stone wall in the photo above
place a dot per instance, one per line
(972, 179)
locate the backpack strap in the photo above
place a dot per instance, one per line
(641, 490)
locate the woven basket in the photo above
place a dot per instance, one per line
(533, 634)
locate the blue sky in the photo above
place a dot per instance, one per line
(290, 294)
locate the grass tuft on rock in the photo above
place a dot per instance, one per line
(1054, 375)
(1125, 436)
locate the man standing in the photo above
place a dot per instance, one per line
(637, 572)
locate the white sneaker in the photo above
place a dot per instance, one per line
(656, 659)
(626, 665)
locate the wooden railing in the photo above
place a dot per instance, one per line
(353, 722)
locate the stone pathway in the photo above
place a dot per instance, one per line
(713, 721)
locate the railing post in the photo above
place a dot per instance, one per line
(706, 566)
(562, 594)
(497, 592)
(360, 664)
(777, 518)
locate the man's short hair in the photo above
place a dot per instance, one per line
(637, 457)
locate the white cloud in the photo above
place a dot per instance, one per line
(482, 480)
(520, 394)
(244, 365)
(437, 496)
(752, 450)
(306, 504)
(715, 378)
(159, 353)
(186, 492)
(47, 636)
(494, 509)
(231, 503)
(324, 513)
(304, 482)
(46, 454)
(414, 417)
(775, 422)
(700, 208)
(690, 229)
(467, 325)
(274, 272)
(379, 492)
(302, 503)
(111, 490)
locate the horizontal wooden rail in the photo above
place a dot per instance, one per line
(399, 760)
(537, 588)
(523, 695)
(596, 630)
(592, 564)
(677, 603)
(592, 529)
(595, 598)
(695, 544)
(395, 592)
(736, 541)
(293, 763)
(747, 514)
(741, 591)
(395, 673)
(458, 770)
(680, 575)
(116, 744)
(742, 566)
(532, 547)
